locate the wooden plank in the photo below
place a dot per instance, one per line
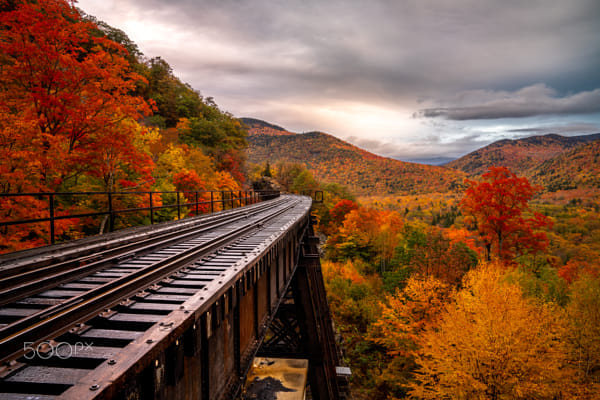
(110, 334)
(176, 290)
(40, 300)
(26, 396)
(171, 298)
(78, 286)
(61, 293)
(188, 283)
(52, 375)
(18, 312)
(158, 307)
(80, 350)
(136, 318)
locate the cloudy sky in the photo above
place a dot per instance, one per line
(410, 79)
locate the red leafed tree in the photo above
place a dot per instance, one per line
(189, 182)
(66, 109)
(498, 208)
(340, 210)
(65, 92)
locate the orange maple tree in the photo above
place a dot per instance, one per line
(66, 108)
(498, 208)
(340, 210)
(191, 183)
(65, 91)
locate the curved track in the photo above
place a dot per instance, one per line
(112, 293)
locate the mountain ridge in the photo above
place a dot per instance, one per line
(519, 155)
(554, 161)
(332, 160)
(576, 168)
(260, 127)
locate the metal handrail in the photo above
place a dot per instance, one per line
(221, 199)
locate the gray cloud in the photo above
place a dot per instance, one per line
(563, 129)
(530, 101)
(377, 50)
(430, 150)
(286, 61)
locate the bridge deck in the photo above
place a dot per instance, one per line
(173, 312)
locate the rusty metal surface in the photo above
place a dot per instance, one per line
(88, 298)
(189, 333)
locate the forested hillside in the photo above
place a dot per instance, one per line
(81, 109)
(520, 155)
(575, 169)
(332, 160)
(488, 295)
(258, 127)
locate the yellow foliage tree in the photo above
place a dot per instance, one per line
(408, 312)
(404, 316)
(584, 330)
(493, 343)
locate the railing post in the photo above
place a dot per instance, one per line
(178, 206)
(151, 210)
(223, 199)
(240, 197)
(111, 214)
(196, 204)
(212, 201)
(51, 201)
(231, 198)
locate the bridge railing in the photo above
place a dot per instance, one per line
(54, 208)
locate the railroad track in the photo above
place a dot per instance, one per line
(64, 314)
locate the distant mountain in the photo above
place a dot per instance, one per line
(430, 161)
(520, 155)
(574, 169)
(259, 127)
(333, 160)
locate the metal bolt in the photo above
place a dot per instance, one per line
(95, 387)
(149, 341)
(111, 362)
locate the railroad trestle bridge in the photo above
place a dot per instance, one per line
(177, 310)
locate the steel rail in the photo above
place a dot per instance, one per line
(60, 318)
(91, 245)
(33, 281)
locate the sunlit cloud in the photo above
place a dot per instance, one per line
(359, 70)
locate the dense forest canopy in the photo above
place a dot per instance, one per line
(82, 109)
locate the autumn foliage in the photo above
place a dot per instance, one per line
(492, 342)
(492, 296)
(76, 105)
(435, 319)
(65, 98)
(497, 208)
